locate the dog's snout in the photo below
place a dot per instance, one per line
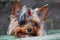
(29, 29)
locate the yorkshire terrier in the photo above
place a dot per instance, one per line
(27, 22)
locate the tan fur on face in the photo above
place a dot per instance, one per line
(18, 30)
(24, 29)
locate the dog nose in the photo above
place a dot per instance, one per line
(29, 29)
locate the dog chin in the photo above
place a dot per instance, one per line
(24, 35)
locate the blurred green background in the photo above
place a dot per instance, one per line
(53, 20)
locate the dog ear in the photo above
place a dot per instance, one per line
(43, 12)
(16, 7)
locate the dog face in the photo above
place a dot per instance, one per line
(25, 21)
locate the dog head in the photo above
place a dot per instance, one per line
(25, 21)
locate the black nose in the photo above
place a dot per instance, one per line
(29, 29)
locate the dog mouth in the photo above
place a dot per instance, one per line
(22, 34)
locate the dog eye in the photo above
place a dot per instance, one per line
(35, 24)
(22, 22)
